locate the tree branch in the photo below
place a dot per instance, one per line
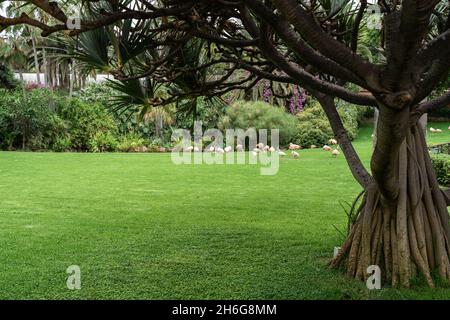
(356, 166)
(308, 79)
(414, 20)
(326, 44)
(441, 102)
(302, 48)
(357, 24)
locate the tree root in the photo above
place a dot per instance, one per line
(405, 238)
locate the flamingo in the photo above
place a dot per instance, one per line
(333, 141)
(294, 146)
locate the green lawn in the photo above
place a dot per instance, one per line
(141, 227)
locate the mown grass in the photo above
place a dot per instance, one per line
(142, 228)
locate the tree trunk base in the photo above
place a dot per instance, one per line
(406, 236)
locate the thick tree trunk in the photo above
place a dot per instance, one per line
(407, 232)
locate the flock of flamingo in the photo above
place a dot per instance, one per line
(262, 148)
(433, 130)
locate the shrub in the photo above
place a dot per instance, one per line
(131, 142)
(7, 79)
(126, 120)
(314, 129)
(27, 120)
(441, 164)
(62, 144)
(157, 145)
(259, 115)
(89, 123)
(103, 142)
(357, 113)
(445, 149)
(93, 93)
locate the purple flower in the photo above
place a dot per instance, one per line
(292, 105)
(301, 101)
(297, 101)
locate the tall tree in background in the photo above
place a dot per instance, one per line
(13, 53)
(403, 222)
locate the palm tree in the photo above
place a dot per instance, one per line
(15, 9)
(160, 116)
(13, 53)
(124, 50)
(140, 97)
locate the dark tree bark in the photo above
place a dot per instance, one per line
(407, 233)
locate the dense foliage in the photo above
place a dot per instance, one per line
(260, 115)
(441, 164)
(7, 77)
(39, 120)
(88, 124)
(27, 121)
(314, 129)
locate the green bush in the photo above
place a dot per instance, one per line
(441, 164)
(42, 120)
(62, 144)
(93, 93)
(90, 124)
(445, 149)
(314, 129)
(7, 80)
(27, 120)
(259, 115)
(103, 142)
(131, 142)
(357, 113)
(126, 120)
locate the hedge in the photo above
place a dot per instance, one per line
(441, 164)
(314, 128)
